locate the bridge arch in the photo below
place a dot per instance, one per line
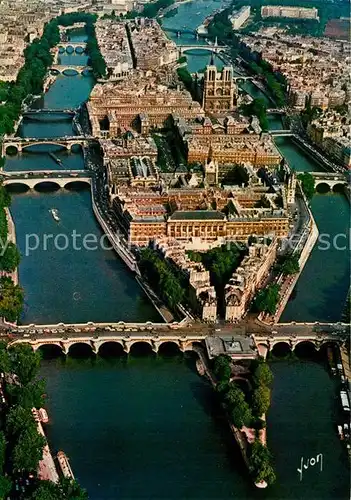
(77, 184)
(45, 185)
(322, 186)
(305, 348)
(169, 348)
(111, 348)
(281, 349)
(49, 350)
(141, 347)
(80, 349)
(59, 145)
(17, 187)
(12, 149)
(339, 187)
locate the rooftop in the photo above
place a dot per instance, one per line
(197, 215)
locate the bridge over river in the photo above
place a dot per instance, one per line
(61, 68)
(20, 143)
(331, 179)
(60, 178)
(185, 335)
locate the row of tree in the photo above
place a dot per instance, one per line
(11, 295)
(248, 409)
(21, 445)
(162, 277)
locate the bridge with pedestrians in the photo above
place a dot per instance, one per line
(20, 143)
(185, 335)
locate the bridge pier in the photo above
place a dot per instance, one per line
(126, 346)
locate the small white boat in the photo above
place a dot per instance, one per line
(54, 213)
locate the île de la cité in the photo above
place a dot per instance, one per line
(175, 250)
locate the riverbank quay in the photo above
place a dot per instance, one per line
(304, 246)
(12, 239)
(121, 249)
(46, 469)
(315, 154)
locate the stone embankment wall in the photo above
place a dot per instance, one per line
(305, 253)
(121, 250)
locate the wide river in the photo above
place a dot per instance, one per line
(148, 427)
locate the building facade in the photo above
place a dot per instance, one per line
(219, 90)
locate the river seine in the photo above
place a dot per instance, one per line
(148, 427)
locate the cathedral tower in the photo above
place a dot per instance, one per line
(219, 89)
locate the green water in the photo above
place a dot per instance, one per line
(321, 290)
(150, 428)
(90, 283)
(297, 158)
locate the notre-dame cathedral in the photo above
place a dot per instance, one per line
(219, 90)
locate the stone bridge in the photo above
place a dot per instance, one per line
(60, 180)
(20, 143)
(211, 48)
(184, 334)
(331, 179)
(184, 342)
(47, 111)
(243, 78)
(74, 45)
(266, 343)
(61, 68)
(276, 111)
(282, 133)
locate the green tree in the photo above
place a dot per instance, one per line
(238, 409)
(308, 184)
(28, 450)
(4, 358)
(25, 362)
(66, 489)
(5, 487)
(267, 299)
(260, 463)
(2, 450)
(10, 259)
(221, 368)
(11, 299)
(28, 396)
(257, 108)
(263, 375)
(261, 399)
(19, 418)
(289, 264)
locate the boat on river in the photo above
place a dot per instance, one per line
(64, 465)
(43, 416)
(54, 213)
(331, 360)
